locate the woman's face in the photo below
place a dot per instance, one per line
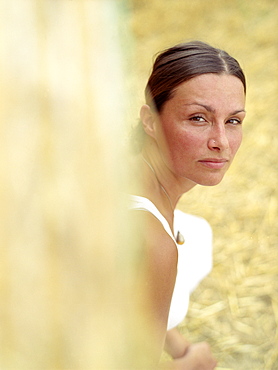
(199, 129)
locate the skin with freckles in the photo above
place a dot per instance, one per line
(198, 132)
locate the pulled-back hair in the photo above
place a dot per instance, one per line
(182, 62)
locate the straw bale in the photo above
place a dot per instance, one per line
(66, 261)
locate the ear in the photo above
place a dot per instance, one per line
(148, 120)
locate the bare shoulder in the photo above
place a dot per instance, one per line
(158, 245)
(161, 258)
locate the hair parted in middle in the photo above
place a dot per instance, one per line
(182, 62)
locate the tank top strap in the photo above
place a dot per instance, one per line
(144, 204)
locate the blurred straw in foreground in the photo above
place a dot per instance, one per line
(65, 259)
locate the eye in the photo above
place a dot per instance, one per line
(234, 121)
(197, 119)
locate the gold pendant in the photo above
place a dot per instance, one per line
(180, 239)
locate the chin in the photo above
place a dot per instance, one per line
(210, 179)
(213, 181)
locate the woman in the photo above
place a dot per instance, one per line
(190, 132)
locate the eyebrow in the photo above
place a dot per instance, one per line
(211, 110)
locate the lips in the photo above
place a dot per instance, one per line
(214, 163)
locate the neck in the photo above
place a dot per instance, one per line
(174, 186)
(160, 201)
(159, 183)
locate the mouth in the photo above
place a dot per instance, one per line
(215, 164)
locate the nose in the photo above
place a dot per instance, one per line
(218, 140)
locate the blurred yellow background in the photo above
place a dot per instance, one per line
(65, 266)
(236, 307)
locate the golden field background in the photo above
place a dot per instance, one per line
(236, 308)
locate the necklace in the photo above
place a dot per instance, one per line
(179, 238)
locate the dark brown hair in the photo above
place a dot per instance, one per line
(182, 62)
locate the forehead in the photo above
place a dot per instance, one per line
(211, 86)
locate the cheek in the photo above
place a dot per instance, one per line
(181, 137)
(235, 142)
(181, 143)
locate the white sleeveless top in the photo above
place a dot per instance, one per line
(194, 256)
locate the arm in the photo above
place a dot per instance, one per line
(161, 264)
(161, 261)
